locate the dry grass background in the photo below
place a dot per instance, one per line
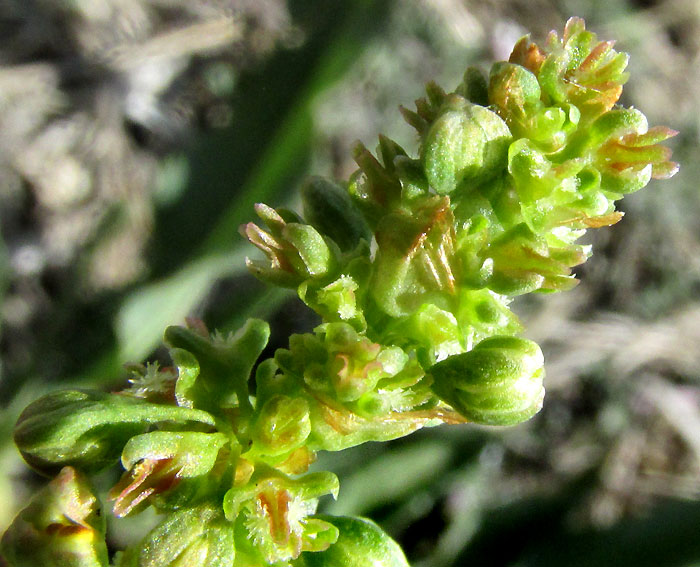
(134, 136)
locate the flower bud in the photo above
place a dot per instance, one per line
(630, 153)
(499, 382)
(466, 143)
(198, 536)
(361, 543)
(87, 429)
(63, 526)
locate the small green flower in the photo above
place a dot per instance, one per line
(160, 463)
(295, 251)
(433, 332)
(340, 362)
(484, 313)
(575, 68)
(274, 512)
(522, 262)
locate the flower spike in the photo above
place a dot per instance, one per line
(411, 267)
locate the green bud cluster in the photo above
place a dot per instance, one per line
(411, 266)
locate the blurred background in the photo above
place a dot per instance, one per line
(135, 137)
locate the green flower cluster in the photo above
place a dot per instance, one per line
(411, 266)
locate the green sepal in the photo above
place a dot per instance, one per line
(474, 86)
(414, 185)
(308, 487)
(505, 202)
(389, 151)
(186, 393)
(318, 534)
(361, 543)
(63, 526)
(537, 178)
(87, 429)
(269, 382)
(551, 126)
(216, 371)
(396, 397)
(317, 258)
(335, 427)
(499, 382)
(472, 240)
(198, 536)
(195, 452)
(330, 210)
(618, 183)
